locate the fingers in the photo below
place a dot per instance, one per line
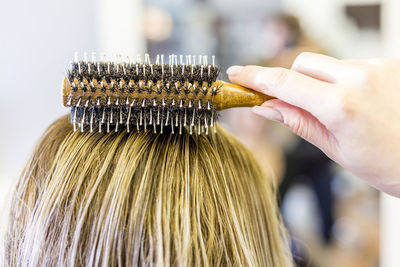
(320, 66)
(330, 69)
(290, 86)
(299, 122)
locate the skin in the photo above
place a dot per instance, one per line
(350, 109)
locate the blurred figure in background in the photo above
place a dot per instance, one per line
(305, 164)
(285, 40)
(302, 162)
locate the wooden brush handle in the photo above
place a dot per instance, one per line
(228, 96)
(233, 95)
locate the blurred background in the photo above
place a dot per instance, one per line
(333, 218)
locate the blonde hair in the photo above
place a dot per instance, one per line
(124, 199)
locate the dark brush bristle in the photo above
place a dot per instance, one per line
(145, 72)
(110, 96)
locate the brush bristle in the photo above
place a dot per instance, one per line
(116, 95)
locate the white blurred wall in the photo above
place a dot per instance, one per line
(38, 40)
(119, 27)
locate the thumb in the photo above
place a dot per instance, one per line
(300, 122)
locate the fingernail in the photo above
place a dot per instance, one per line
(268, 113)
(234, 70)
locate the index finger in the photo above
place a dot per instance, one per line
(288, 85)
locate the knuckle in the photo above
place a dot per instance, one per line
(260, 80)
(366, 75)
(392, 62)
(347, 104)
(303, 56)
(270, 78)
(279, 76)
(377, 61)
(299, 126)
(379, 66)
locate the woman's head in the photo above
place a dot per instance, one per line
(123, 199)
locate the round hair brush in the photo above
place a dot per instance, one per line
(110, 95)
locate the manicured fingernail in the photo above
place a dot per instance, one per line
(234, 70)
(268, 113)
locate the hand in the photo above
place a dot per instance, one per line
(350, 109)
